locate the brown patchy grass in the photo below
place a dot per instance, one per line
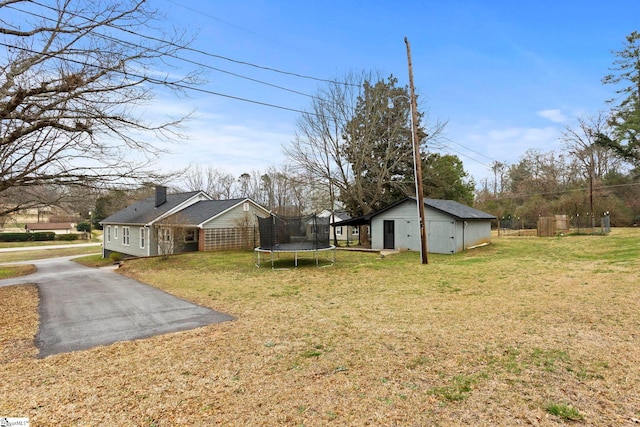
(95, 261)
(18, 323)
(46, 253)
(538, 331)
(8, 271)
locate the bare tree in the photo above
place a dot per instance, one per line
(72, 76)
(318, 149)
(355, 142)
(222, 185)
(499, 171)
(172, 236)
(196, 179)
(283, 191)
(595, 160)
(216, 183)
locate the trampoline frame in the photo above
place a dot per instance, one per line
(295, 249)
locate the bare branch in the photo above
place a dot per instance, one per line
(71, 80)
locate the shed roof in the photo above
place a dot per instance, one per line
(458, 210)
(449, 207)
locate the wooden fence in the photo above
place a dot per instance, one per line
(546, 226)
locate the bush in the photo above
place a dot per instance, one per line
(43, 236)
(69, 237)
(83, 226)
(115, 257)
(15, 237)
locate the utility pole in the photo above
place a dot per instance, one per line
(593, 218)
(417, 161)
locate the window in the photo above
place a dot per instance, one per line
(355, 231)
(115, 232)
(125, 236)
(338, 231)
(108, 234)
(190, 236)
(142, 237)
(164, 234)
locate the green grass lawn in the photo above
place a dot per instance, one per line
(532, 331)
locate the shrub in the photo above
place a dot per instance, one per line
(83, 226)
(15, 237)
(69, 237)
(115, 256)
(43, 236)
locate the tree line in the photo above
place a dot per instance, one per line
(596, 174)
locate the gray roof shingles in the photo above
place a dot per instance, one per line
(457, 210)
(203, 210)
(145, 210)
(450, 207)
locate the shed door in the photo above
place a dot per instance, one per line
(442, 237)
(389, 235)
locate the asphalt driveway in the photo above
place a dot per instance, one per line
(83, 307)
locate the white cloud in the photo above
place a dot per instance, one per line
(229, 148)
(505, 145)
(226, 140)
(555, 116)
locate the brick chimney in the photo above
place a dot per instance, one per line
(161, 195)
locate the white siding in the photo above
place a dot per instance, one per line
(133, 249)
(237, 217)
(445, 234)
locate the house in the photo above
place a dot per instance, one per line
(346, 234)
(182, 222)
(221, 224)
(451, 226)
(54, 227)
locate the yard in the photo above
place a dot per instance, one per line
(531, 331)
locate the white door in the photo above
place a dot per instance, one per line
(441, 238)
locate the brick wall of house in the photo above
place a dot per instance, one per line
(200, 239)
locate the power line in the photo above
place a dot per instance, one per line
(169, 83)
(571, 190)
(186, 48)
(200, 64)
(446, 147)
(476, 152)
(220, 20)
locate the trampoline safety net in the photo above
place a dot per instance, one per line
(278, 233)
(296, 235)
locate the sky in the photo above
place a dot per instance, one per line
(507, 76)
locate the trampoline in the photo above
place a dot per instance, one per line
(302, 236)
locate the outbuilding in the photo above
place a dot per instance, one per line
(451, 226)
